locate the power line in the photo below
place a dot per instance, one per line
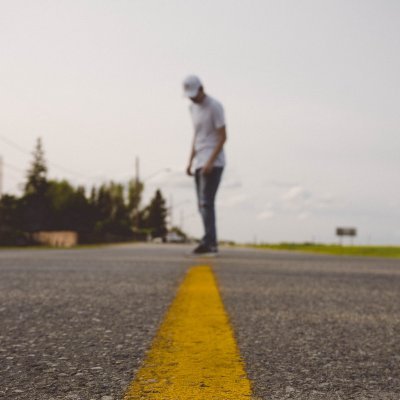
(13, 167)
(57, 166)
(14, 145)
(11, 170)
(26, 151)
(67, 170)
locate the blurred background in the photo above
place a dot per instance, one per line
(311, 92)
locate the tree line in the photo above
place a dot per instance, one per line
(110, 212)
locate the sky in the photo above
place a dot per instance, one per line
(310, 89)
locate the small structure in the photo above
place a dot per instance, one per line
(174, 237)
(352, 232)
(56, 238)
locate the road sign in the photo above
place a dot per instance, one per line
(346, 231)
(352, 232)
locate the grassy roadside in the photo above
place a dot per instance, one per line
(371, 251)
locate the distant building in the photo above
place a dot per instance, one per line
(174, 237)
(56, 238)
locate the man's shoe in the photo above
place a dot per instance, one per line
(205, 251)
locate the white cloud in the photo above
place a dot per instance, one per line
(231, 183)
(296, 198)
(268, 214)
(303, 216)
(174, 179)
(235, 200)
(324, 201)
(295, 194)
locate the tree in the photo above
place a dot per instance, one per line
(111, 211)
(35, 203)
(10, 221)
(37, 175)
(135, 190)
(155, 216)
(10, 212)
(70, 209)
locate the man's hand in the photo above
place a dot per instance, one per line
(189, 170)
(221, 140)
(207, 168)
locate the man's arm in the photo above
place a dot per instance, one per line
(221, 141)
(192, 154)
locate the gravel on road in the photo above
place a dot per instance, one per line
(76, 324)
(315, 327)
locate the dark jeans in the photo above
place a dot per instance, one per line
(206, 189)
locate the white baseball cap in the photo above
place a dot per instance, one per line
(191, 86)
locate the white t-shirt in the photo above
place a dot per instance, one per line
(207, 117)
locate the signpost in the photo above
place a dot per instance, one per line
(352, 232)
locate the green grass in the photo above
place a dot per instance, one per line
(371, 251)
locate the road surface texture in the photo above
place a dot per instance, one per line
(76, 324)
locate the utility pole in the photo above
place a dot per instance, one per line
(137, 169)
(182, 219)
(137, 180)
(1, 177)
(171, 211)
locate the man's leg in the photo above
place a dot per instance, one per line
(206, 187)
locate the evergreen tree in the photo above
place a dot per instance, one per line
(156, 216)
(36, 207)
(37, 175)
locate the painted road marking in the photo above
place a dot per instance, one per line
(194, 355)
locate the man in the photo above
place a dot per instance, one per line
(208, 157)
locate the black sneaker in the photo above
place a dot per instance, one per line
(205, 251)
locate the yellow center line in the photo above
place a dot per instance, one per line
(194, 355)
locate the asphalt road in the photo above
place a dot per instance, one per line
(75, 324)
